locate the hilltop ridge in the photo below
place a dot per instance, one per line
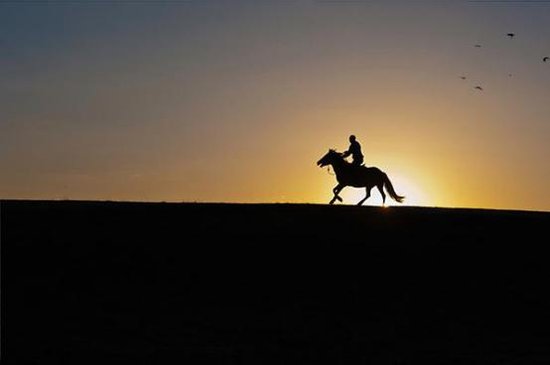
(104, 282)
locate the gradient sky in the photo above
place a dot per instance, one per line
(235, 101)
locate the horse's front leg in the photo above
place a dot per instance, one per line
(336, 190)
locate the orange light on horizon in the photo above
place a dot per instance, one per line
(409, 186)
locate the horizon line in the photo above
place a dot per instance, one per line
(64, 200)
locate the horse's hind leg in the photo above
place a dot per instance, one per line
(336, 190)
(366, 197)
(381, 190)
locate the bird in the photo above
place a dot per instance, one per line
(545, 59)
(478, 46)
(479, 88)
(511, 35)
(463, 77)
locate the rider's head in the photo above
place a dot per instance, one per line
(352, 138)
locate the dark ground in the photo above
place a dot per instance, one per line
(102, 283)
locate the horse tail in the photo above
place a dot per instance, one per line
(391, 191)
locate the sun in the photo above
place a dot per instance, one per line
(411, 189)
(414, 196)
(410, 184)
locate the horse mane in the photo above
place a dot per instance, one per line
(333, 150)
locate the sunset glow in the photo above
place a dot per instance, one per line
(215, 101)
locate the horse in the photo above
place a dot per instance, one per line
(357, 176)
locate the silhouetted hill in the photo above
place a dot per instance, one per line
(156, 283)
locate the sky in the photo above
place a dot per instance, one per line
(235, 101)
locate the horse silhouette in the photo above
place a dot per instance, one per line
(357, 177)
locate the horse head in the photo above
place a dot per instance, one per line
(329, 158)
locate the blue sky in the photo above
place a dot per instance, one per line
(138, 100)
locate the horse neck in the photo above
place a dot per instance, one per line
(338, 166)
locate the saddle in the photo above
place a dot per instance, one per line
(359, 168)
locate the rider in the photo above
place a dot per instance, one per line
(355, 151)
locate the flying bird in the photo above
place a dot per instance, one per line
(478, 46)
(545, 59)
(463, 77)
(511, 35)
(479, 88)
